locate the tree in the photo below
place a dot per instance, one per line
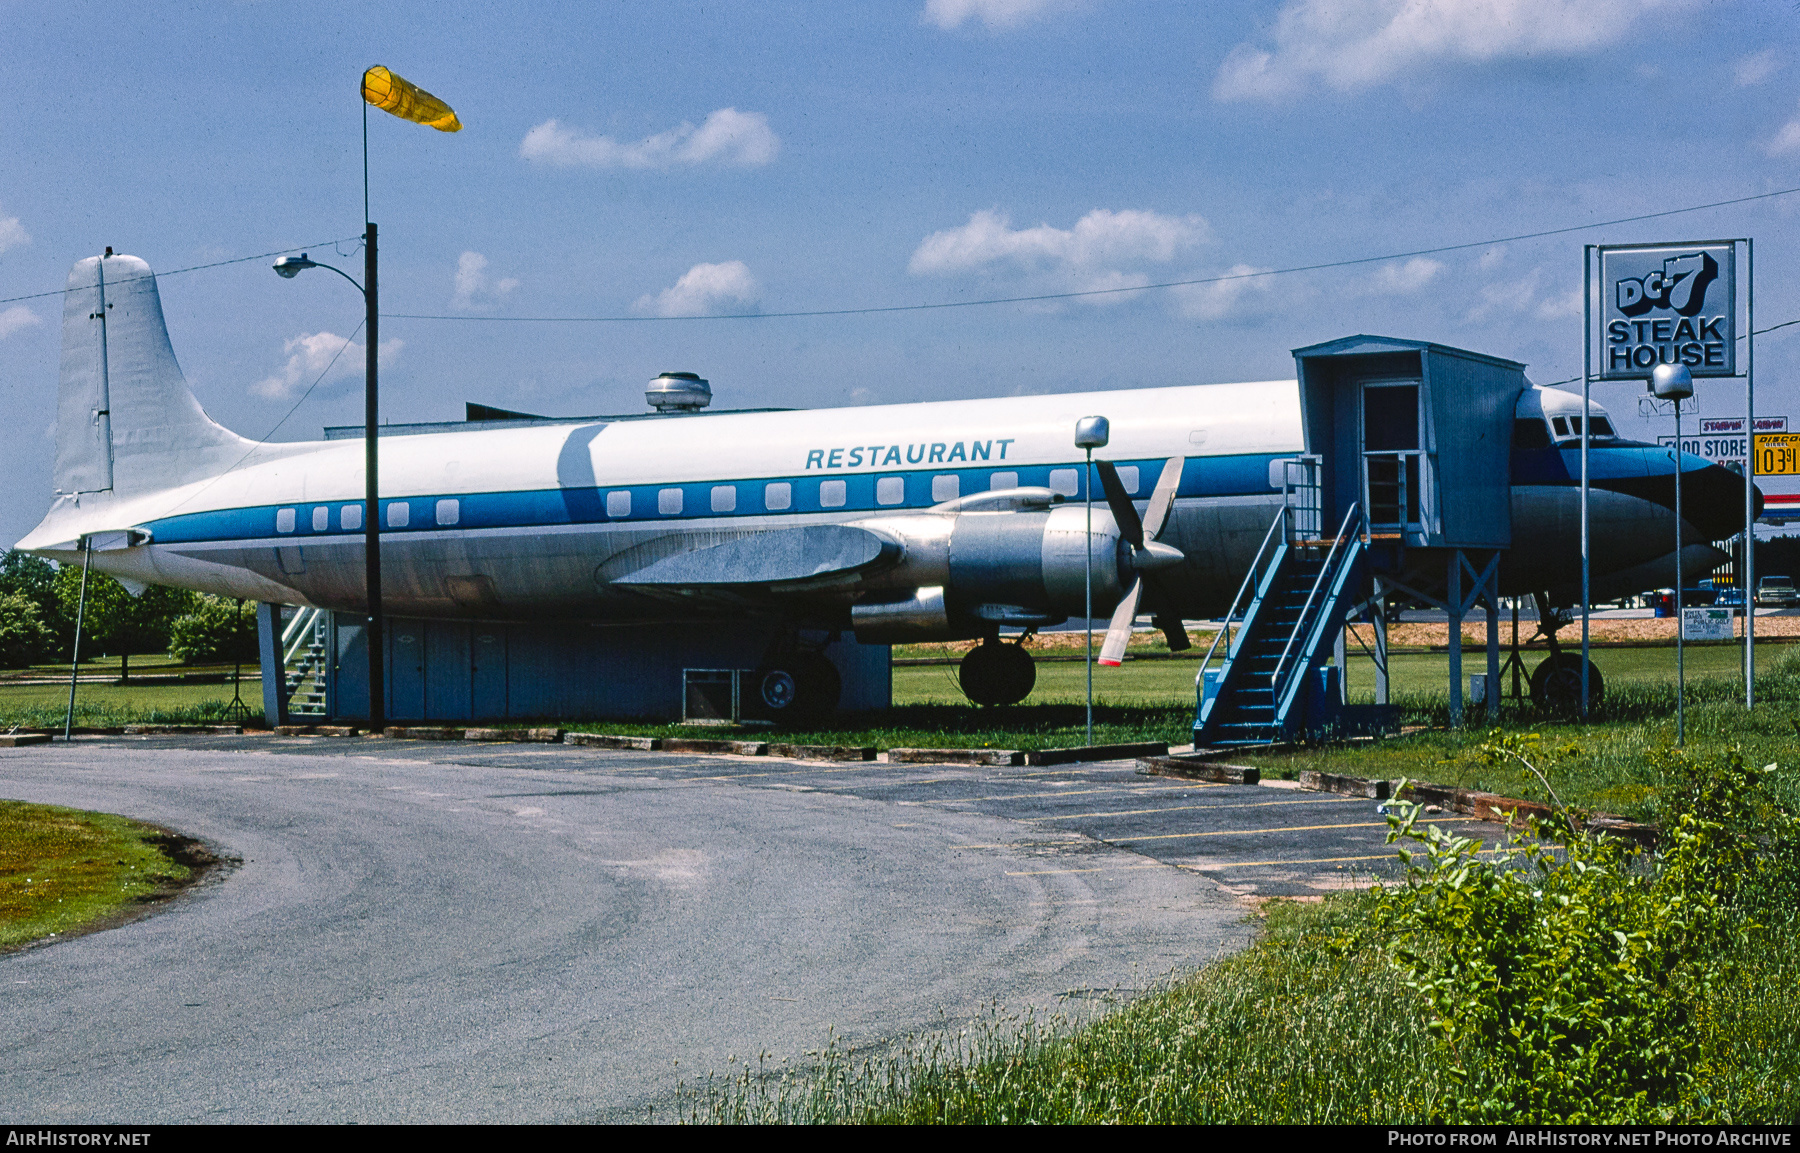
(215, 629)
(34, 578)
(117, 622)
(24, 640)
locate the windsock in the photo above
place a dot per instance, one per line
(407, 100)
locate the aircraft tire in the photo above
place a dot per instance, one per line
(997, 674)
(807, 689)
(1556, 684)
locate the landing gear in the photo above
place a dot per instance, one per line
(1556, 684)
(997, 674)
(805, 687)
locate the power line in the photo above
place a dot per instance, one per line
(190, 268)
(1758, 332)
(1094, 291)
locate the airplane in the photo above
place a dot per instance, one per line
(888, 523)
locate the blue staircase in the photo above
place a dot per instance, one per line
(1272, 682)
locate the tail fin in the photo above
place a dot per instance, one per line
(126, 421)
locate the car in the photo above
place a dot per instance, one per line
(1777, 592)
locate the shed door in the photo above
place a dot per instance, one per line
(1391, 455)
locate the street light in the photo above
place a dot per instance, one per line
(1091, 432)
(289, 267)
(1675, 382)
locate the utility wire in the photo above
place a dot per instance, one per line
(190, 268)
(1758, 332)
(1094, 291)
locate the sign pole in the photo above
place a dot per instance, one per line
(1748, 590)
(1680, 603)
(1587, 378)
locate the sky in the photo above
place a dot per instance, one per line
(667, 163)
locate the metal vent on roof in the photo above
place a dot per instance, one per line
(678, 392)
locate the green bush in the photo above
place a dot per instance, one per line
(216, 629)
(1570, 979)
(23, 638)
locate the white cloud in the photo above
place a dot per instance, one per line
(473, 288)
(1787, 140)
(1221, 298)
(16, 318)
(1352, 44)
(728, 137)
(12, 233)
(995, 14)
(705, 289)
(1404, 279)
(1491, 258)
(311, 353)
(1756, 68)
(1097, 253)
(1522, 297)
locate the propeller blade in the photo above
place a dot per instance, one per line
(1118, 633)
(1130, 527)
(1162, 498)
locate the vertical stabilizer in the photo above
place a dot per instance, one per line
(126, 421)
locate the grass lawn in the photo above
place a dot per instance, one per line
(62, 869)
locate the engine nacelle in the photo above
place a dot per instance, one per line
(965, 571)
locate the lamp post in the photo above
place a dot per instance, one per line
(1675, 382)
(290, 267)
(1091, 432)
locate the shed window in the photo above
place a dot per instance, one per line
(778, 495)
(946, 487)
(890, 490)
(399, 514)
(833, 493)
(1065, 480)
(618, 502)
(724, 498)
(668, 501)
(284, 520)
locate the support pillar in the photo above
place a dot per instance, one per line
(1491, 593)
(1381, 651)
(1454, 604)
(274, 669)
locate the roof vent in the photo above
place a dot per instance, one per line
(678, 392)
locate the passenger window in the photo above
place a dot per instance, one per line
(724, 498)
(668, 501)
(399, 514)
(778, 495)
(284, 520)
(618, 503)
(350, 517)
(1065, 480)
(833, 493)
(890, 490)
(1002, 480)
(321, 519)
(945, 487)
(1128, 476)
(448, 511)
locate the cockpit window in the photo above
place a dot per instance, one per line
(1601, 427)
(1561, 424)
(1570, 426)
(1529, 432)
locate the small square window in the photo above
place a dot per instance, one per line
(668, 501)
(778, 495)
(890, 490)
(321, 519)
(1002, 480)
(448, 512)
(350, 517)
(1560, 424)
(1128, 476)
(946, 487)
(618, 503)
(399, 514)
(833, 493)
(284, 520)
(724, 498)
(1065, 480)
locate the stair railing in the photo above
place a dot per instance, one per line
(297, 635)
(1240, 604)
(1326, 574)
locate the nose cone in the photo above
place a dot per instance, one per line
(1712, 498)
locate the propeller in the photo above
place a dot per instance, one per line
(1147, 557)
